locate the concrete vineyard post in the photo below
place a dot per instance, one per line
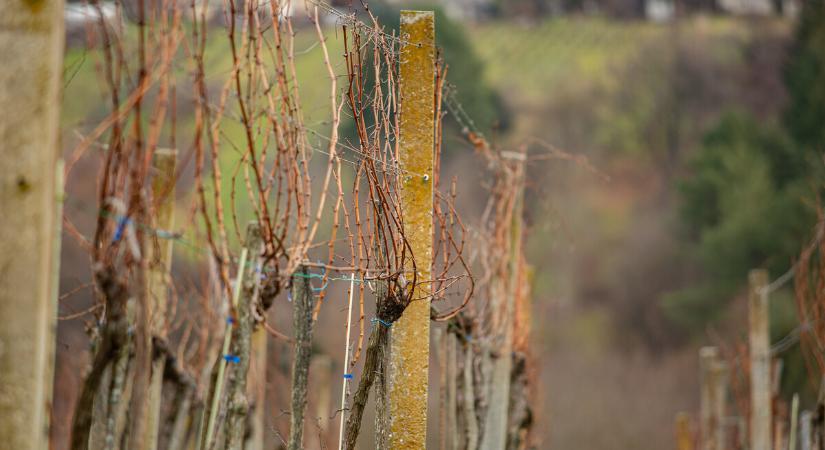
(163, 196)
(760, 430)
(31, 42)
(410, 354)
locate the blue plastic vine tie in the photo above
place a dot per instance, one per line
(376, 319)
(121, 226)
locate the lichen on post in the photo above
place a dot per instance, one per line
(410, 353)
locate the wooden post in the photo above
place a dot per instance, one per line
(31, 42)
(760, 430)
(410, 354)
(159, 252)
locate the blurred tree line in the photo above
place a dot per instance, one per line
(750, 199)
(465, 70)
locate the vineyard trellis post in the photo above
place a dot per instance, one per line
(302, 323)
(760, 361)
(714, 391)
(707, 420)
(160, 259)
(684, 440)
(495, 425)
(240, 350)
(31, 42)
(719, 384)
(409, 365)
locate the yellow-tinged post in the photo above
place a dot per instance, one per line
(684, 439)
(409, 362)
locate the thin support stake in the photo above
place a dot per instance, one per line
(346, 379)
(227, 340)
(794, 419)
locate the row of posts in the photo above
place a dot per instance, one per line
(717, 430)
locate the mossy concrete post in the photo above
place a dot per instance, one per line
(760, 359)
(410, 354)
(31, 42)
(160, 264)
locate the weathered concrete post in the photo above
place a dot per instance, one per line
(495, 425)
(409, 365)
(302, 323)
(719, 387)
(31, 42)
(707, 424)
(760, 431)
(160, 264)
(714, 391)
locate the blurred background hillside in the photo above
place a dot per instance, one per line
(702, 123)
